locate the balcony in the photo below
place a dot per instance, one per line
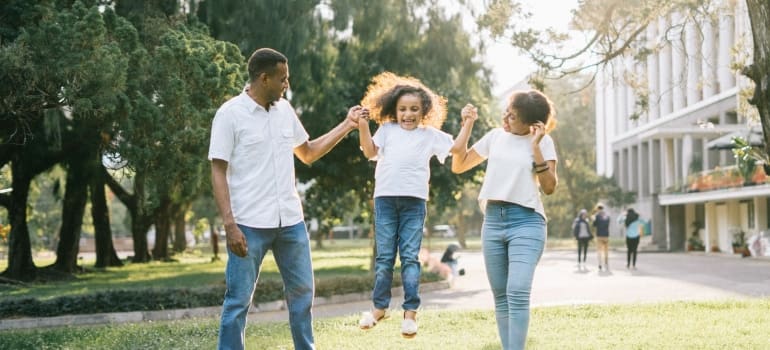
(716, 185)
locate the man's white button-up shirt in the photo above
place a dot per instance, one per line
(259, 148)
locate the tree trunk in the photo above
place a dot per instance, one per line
(140, 220)
(214, 234)
(20, 264)
(759, 71)
(105, 250)
(162, 228)
(73, 207)
(180, 238)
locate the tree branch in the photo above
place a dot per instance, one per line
(128, 199)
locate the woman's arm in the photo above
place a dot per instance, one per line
(546, 175)
(462, 158)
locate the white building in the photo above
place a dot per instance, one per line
(663, 154)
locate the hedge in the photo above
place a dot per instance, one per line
(124, 300)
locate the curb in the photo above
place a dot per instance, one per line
(181, 314)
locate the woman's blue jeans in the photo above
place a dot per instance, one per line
(513, 238)
(291, 249)
(398, 225)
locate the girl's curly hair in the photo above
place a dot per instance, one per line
(385, 90)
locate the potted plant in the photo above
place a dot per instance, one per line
(744, 159)
(695, 243)
(739, 243)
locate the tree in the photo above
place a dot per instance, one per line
(181, 77)
(616, 26)
(49, 87)
(334, 48)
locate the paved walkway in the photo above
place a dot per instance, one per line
(558, 281)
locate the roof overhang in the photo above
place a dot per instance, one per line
(745, 192)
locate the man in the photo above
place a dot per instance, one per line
(602, 224)
(254, 138)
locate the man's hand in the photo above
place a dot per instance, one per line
(355, 115)
(236, 240)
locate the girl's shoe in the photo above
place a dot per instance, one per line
(368, 321)
(408, 327)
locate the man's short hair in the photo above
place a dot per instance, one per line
(264, 60)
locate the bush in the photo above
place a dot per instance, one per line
(174, 298)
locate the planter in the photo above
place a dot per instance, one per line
(743, 251)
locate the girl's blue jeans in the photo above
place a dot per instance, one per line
(513, 238)
(398, 225)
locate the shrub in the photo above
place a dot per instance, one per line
(174, 298)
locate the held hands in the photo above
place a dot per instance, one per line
(469, 113)
(355, 115)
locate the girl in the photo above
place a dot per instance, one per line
(521, 159)
(409, 115)
(634, 229)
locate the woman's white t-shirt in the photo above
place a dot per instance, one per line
(403, 159)
(509, 176)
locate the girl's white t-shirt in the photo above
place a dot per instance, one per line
(509, 176)
(403, 159)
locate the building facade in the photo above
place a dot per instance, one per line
(659, 121)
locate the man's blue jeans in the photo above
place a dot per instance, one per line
(291, 249)
(513, 238)
(398, 224)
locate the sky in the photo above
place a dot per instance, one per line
(507, 64)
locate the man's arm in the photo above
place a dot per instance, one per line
(236, 241)
(312, 150)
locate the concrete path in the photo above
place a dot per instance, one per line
(659, 277)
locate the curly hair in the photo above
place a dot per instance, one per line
(533, 106)
(386, 88)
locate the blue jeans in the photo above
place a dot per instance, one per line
(513, 238)
(398, 224)
(291, 249)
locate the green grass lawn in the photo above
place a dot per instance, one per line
(679, 325)
(195, 269)
(191, 270)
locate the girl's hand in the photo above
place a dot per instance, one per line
(363, 117)
(469, 112)
(538, 131)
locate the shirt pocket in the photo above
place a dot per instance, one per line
(287, 137)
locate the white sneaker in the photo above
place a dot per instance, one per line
(408, 328)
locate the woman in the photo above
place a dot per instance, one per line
(581, 229)
(522, 163)
(634, 229)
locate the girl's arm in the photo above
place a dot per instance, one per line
(365, 138)
(462, 158)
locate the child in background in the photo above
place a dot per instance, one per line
(409, 117)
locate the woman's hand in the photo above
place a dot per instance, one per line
(469, 112)
(537, 130)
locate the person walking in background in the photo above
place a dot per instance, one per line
(634, 229)
(410, 117)
(582, 232)
(254, 138)
(602, 225)
(521, 163)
